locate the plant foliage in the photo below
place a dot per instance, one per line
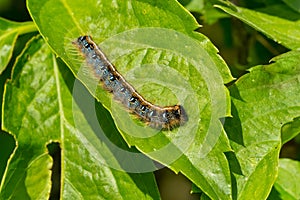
(228, 149)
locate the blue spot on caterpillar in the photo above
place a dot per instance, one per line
(165, 118)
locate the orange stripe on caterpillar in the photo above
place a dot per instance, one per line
(165, 118)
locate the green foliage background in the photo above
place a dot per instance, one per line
(43, 118)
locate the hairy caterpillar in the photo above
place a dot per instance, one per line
(165, 118)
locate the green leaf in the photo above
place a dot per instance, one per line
(26, 155)
(195, 5)
(9, 31)
(287, 182)
(153, 44)
(208, 13)
(42, 112)
(294, 4)
(280, 10)
(262, 101)
(280, 30)
(290, 130)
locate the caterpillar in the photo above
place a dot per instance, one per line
(165, 118)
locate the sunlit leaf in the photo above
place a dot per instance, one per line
(153, 44)
(39, 110)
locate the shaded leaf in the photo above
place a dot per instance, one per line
(294, 4)
(7, 145)
(280, 10)
(280, 30)
(209, 14)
